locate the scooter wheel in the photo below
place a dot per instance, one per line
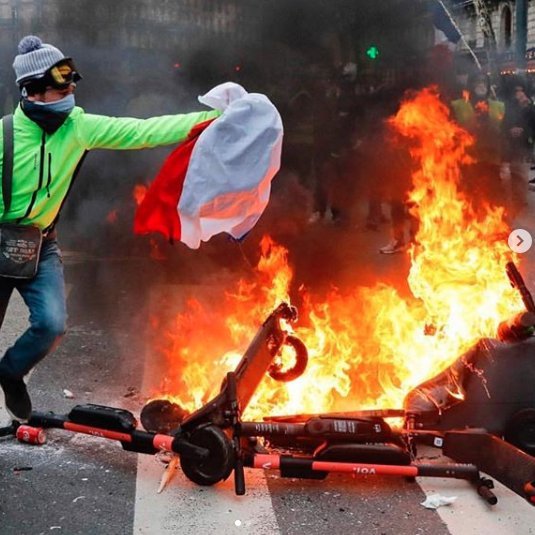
(277, 372)
(520, 430)
(161, 416)
(219, 464)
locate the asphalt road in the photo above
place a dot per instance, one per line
(77, 484)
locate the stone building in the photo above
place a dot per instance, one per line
(149, 45)
(503, 17)
(136, 37)
(340, 28)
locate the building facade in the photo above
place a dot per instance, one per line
(268, 38)
(503, 16)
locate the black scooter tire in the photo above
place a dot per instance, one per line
(219, 464)
(301, 361)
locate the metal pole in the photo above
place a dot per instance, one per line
(521, 35)
(485, 24)
(463, 38)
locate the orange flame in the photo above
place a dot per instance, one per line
(482, 107)
(367, 348)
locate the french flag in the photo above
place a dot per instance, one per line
(219, 178)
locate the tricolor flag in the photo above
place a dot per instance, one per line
(219, 179)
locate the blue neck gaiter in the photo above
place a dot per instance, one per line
(49, 115)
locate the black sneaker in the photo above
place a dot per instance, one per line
(18, 402)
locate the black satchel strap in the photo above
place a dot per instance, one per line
(7, 161)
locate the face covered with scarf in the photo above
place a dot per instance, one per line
(49, 100)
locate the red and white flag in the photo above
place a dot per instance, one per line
(219, 179)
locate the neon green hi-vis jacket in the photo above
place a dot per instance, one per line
(486, 128)
(44, 165)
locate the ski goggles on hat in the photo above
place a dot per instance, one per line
(59, 76)
(62, 74)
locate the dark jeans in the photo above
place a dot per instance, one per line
(44, 296)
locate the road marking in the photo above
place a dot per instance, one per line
(184, 507)
(470, 514)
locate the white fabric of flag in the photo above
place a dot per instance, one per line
(228, 181)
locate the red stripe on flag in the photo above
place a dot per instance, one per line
(158, 210)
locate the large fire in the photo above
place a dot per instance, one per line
(370, 347)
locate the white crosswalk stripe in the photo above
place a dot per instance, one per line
(184, 507)
(470, 514)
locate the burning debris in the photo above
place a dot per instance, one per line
(368, 348)
(214, 441)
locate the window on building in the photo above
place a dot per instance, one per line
(506, 27)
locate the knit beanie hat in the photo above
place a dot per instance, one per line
(35, 58)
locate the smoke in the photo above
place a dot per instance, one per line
(149, 66)
(143, 58)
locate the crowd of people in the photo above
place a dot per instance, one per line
(339, 143)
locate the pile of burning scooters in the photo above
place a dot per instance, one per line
(490, 428)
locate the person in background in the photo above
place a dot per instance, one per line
(387, 170)
(326, 96)
(51, 135)
(519, 136)
(396, 173)
(335, 139)
(298, 148)
(478, 112)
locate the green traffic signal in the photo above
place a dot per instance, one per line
(372, 52)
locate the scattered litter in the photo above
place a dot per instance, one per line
(434, 501)
(130, 391)
(168, 473)
(55, 527)
(22, 468)
(78, 498)
(68, 394)
(237, 523)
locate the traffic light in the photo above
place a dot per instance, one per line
(372, 52)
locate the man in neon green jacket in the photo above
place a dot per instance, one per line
(51, 135)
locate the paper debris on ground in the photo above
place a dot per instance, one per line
(434, 501)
